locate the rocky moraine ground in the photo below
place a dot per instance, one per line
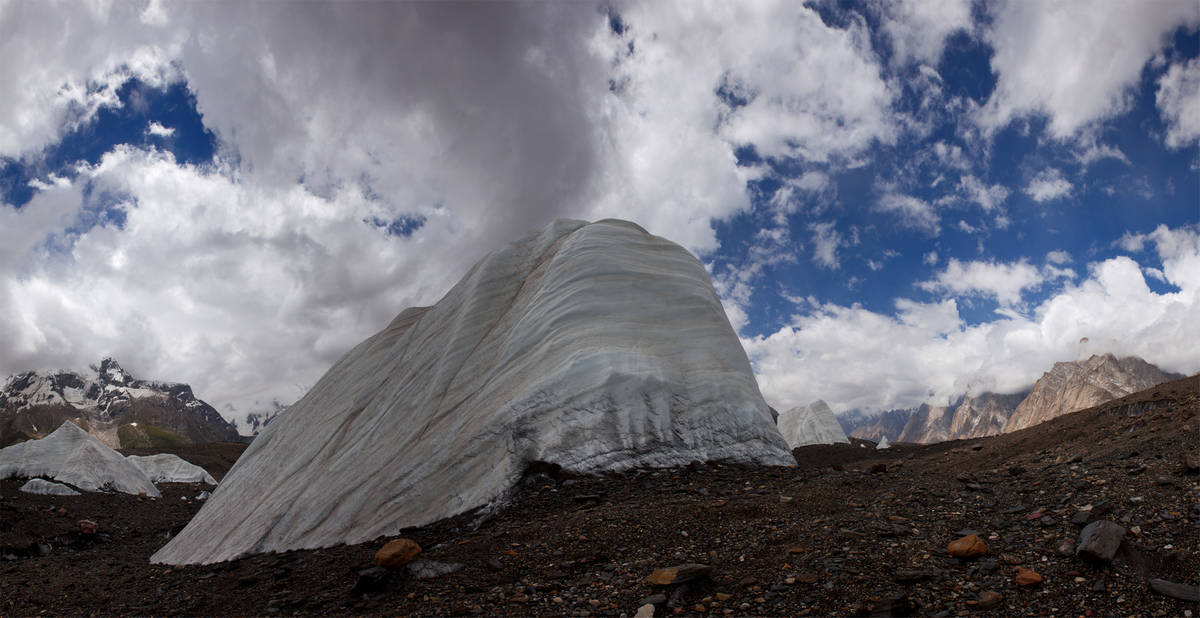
(849, 531)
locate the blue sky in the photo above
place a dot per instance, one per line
(898, 202)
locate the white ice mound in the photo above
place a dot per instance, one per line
(165, 468)
(47, 488)
(811, 424)
(883, 443)
(592, 346)
(74, 456)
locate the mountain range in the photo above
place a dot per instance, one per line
(1067, 387)
(110, 404)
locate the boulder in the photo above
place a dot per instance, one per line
(1099, 540)
(397, 553)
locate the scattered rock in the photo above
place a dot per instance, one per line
(1027, 577)
(1099, 540)
(427, 569)
(678, 574)
(645, 611)
(370, 581)
(87, 526)
(1182, 592)
(989, 599)
(967, 547)
(397, 553)
(654, 599)
(909, 576)
(879, 468)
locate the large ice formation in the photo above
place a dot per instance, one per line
(167, 468)
(73, 456)
(591, 346)
(811, 424)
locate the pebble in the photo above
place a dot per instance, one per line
(645, 611)
(679, 574)
(1027, 577)
(989, 599)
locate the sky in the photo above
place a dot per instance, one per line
(899, 203)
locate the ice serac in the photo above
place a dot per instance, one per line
(591, 346)
(811, 424)
(47, 488)
(167, 468)
(73, 456)
(1073, 386)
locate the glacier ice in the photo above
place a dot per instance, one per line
(47, 488)
(72, 455)
(594, 346)
(167, 468)
(811, 424)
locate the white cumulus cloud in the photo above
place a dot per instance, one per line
(1074, 61)
(1047, 185)
(856, 358)
(1178, 99)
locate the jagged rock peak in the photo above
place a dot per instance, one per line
(102, 398)
(1072, 386)
(592, 347)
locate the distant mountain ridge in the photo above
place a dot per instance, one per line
(1071, 386)
(1066, 388)
(109, 403)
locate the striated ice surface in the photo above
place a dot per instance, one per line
(811, 424)
(47, 488)
(74, 456)
(592, 346)
(166, 468)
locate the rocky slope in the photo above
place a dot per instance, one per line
(811, 424)
(1072, 386)
(581, 347)
(120, 410)
(847, 532)
(970, 417)
(890, 423)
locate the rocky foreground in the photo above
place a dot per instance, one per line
(850, 531)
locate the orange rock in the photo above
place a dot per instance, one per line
(87, 526)
(1026, 577)
(969, 546)
(397, 553)
(678, 574)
